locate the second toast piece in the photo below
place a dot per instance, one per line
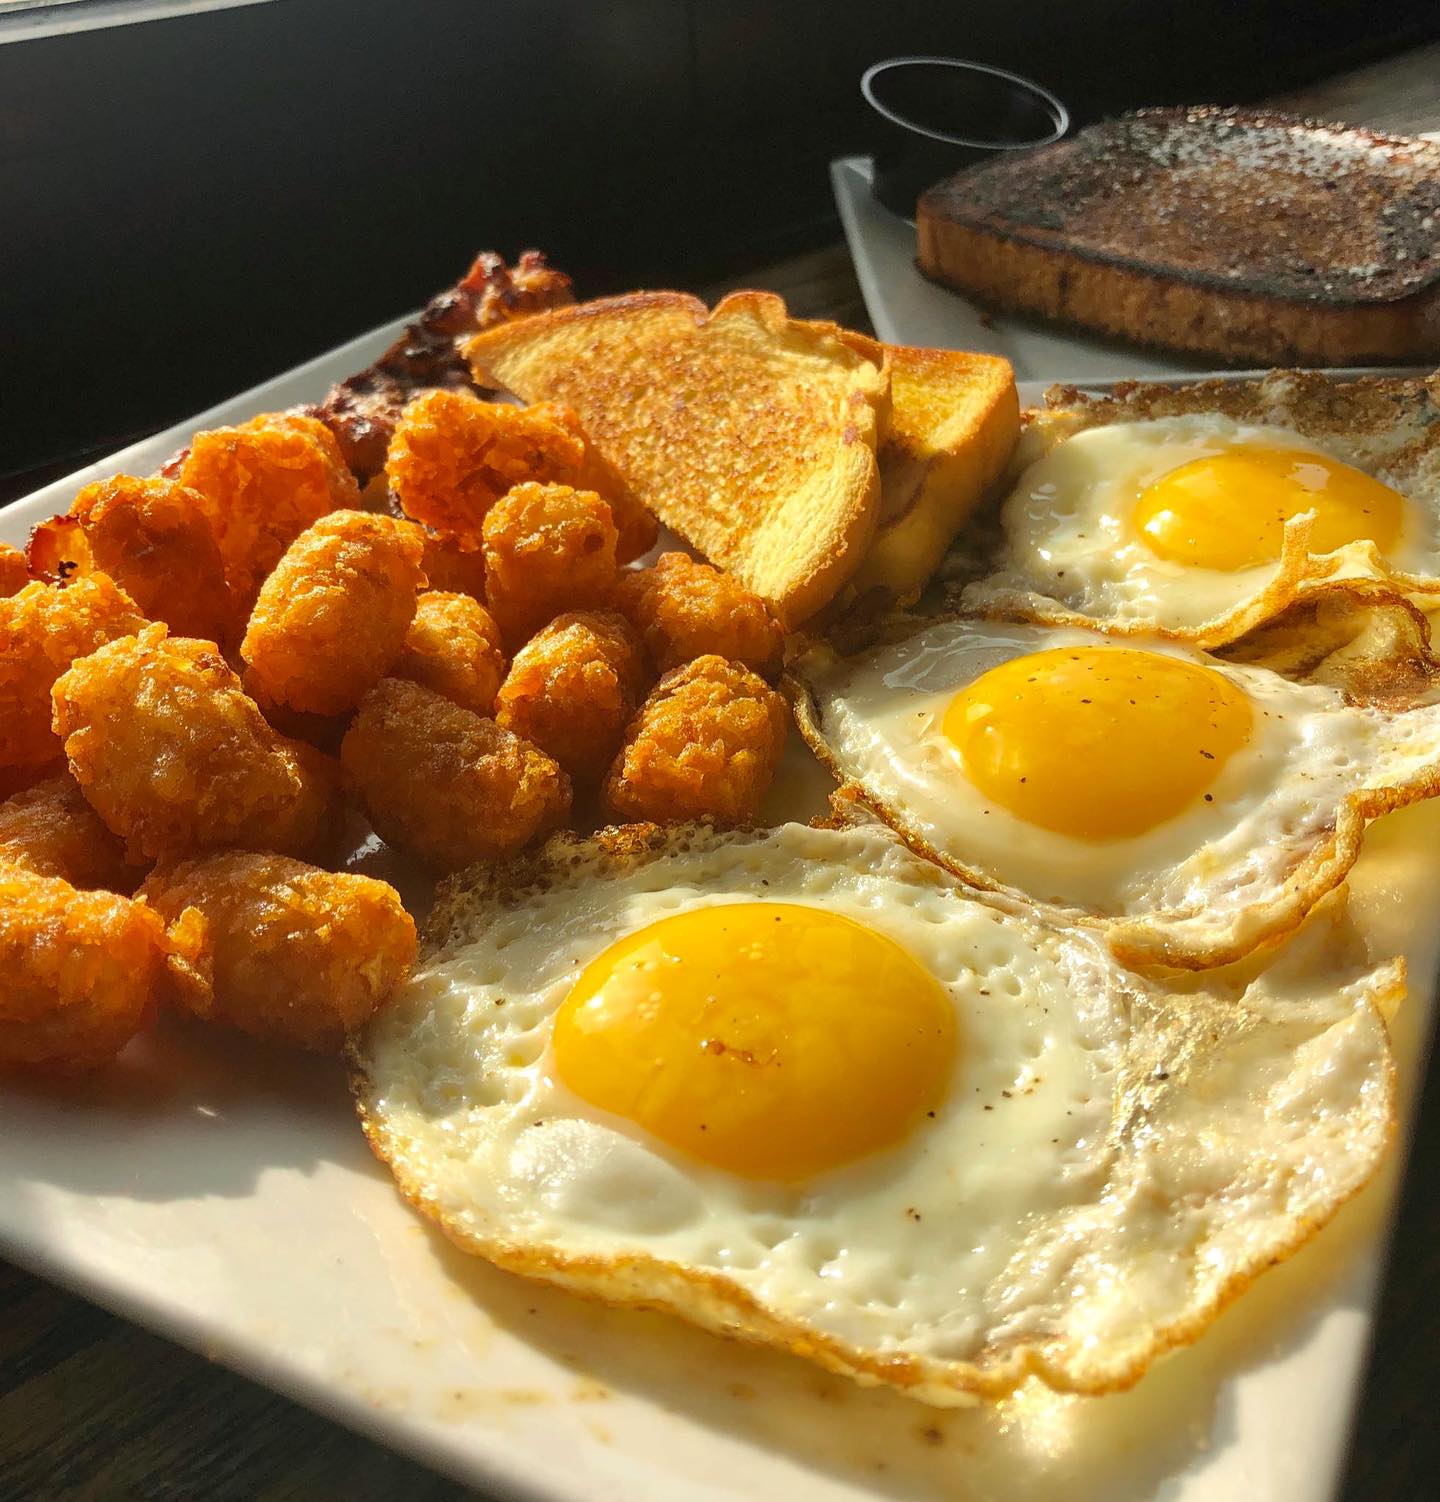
(954, 422)
(1239, 234)
(751, 434)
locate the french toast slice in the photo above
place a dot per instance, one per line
(954, 422)
(749, 433)
(1250, 236)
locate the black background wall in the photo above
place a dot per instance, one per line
(189, 205)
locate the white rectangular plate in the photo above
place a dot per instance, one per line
(222, 1193)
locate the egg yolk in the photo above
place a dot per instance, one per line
(1102, 743)
(1228, 510)
(770, 1040)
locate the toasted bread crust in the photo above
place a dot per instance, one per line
(750, 433)
(1236, 233)
(1149, 309)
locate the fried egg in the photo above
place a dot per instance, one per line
(796, 1086)
(1200, 526)
(1194, 808)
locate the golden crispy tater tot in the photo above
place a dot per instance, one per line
(332, 616)
(704, 745)
(14, 573)
(573, 689)
(43, 629)
(453, 456)
(686, 609)
(261, 484)
(286, 950)
(445, 783)
(548, 549)
(453, 646)
(177, 758)
(51, 830)
(78, 972)
(153, 539)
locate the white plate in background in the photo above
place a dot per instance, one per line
(221, 1193)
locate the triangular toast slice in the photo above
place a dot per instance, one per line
(751, 434)
(954, 422)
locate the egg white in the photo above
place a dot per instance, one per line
(1283, 825)
(1111, 1162)
(1072, 554)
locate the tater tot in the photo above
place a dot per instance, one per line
(704, 745)
(685, 609)
(153, 539)
(453, 456)
(548, 549)
(285, 950)
(78, 972)
(51, 830)
(453, 646)
(445, 783)
(332, 616)
(43, 629)
(261, 484)
(573, 689)
(176, 758)
(14, 573)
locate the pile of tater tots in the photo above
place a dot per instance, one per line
(201, 669)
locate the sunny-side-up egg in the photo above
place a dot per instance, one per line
(796, 1085)
(1194, 808)
(1201, 527)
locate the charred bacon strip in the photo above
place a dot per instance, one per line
(362, 410)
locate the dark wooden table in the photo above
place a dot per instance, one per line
(91, 1407)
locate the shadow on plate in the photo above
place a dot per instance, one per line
(187, 1110)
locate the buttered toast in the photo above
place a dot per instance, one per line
(1248, 236)
(954, 420)
(751, 434)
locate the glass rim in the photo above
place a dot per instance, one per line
(1060, 116)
